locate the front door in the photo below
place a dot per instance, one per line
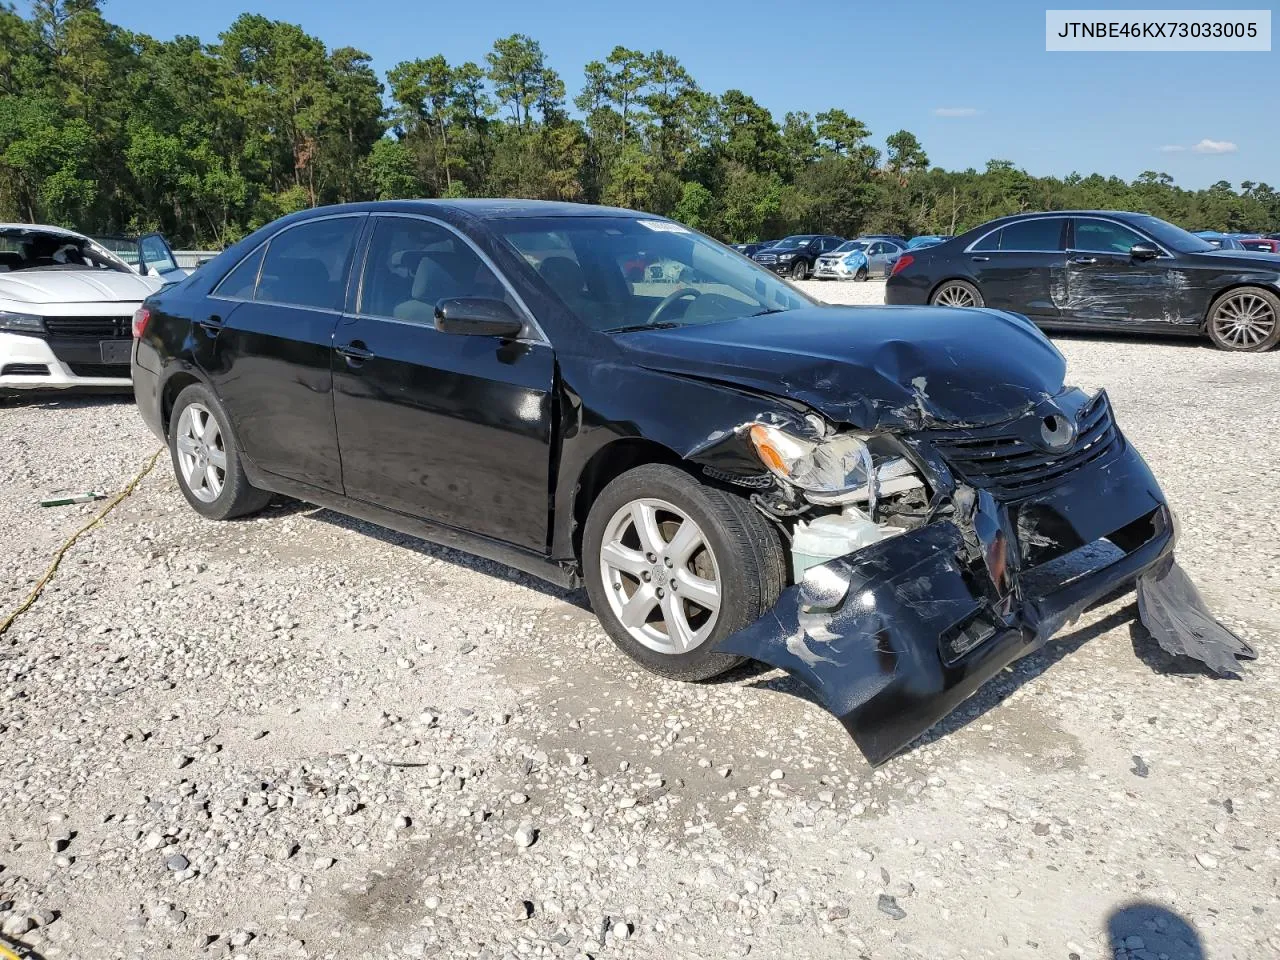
(266, 343)
(1021, 267)
(449, 428)
(1105, 285)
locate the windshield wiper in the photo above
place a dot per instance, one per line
(633, 327)
(768, 310)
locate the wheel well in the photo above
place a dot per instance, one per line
(1204, 321)
(172, 387)
(606, 465)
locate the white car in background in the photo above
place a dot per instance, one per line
(66, 310)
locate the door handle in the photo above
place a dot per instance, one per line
(355, 352)
(211, 323)
(1083, 260)
(979, 259)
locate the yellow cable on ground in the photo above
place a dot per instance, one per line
(67, 544)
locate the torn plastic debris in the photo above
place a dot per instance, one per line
(1171, 608)
(70, 498)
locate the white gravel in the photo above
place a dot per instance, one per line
(298, 735)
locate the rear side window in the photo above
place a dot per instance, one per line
(239, 283)
(1103, 236)
(306, 265)
(1037, 236)
(990, 242)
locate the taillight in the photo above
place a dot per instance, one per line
(904, 261)
(141, 317)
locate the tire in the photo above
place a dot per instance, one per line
(956, 293)
(740, 555)
(1244, 320)
(861, 275)
(195, 453)
(799, 270)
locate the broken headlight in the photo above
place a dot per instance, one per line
(834, 470)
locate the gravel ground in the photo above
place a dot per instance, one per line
(298, 735)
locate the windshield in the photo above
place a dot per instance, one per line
(1170, 236)
(790, 243)
(32, 249)
(619, 273)
(851, 245)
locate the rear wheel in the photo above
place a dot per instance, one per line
(956, 293)
(673, 566)
(206, 459)
(1246, 320)
(799, 270)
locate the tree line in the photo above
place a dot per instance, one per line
(108, 130)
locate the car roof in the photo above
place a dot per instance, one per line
(484, 208)
(39, 228)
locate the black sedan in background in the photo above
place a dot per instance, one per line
(1101, 270)
(796, 255)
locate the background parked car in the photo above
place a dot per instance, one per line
(796, 255)
(859, 259)
(1221, 241)
(1101, 270)
(930, 240)
(149, 255)
(66, 305)
(1261, 244)
(754, 246)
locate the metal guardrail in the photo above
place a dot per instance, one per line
(190, 259)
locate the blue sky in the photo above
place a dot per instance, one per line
(971, 79)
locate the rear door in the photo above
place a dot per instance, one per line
(266, 344)
(1021, 266)
(1105, 285)
(449, 428)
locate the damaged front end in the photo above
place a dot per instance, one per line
(925, 562)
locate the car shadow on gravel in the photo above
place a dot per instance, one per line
(577, 598)
(1089, 336)
(64, 400)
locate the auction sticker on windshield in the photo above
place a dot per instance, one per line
(663, 226)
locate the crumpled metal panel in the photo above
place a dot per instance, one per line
(1171, 608)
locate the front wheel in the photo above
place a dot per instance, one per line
(862, 274)
(1246, 320)
(956, 293)
(799, 270)
(673, 566)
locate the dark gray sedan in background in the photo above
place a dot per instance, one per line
(1101, 270)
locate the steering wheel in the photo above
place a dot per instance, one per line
(672, 298)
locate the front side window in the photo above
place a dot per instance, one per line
(1043, 235)
(414, 264)
(1103, 236)
(306, 265)
(616, 273)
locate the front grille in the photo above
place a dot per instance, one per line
(96, 328)
(766, 258)
(24, 370)
(1010, 467)
(120, 370)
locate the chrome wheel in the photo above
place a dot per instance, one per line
(1244, 321)
(955, 295)
(661, 577)
(202, 456)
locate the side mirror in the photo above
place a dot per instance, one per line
(1144, 251)
(477, 317)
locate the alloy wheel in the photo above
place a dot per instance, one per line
(202, 454)
(954, 295)
(1244, 321)
(661, 576)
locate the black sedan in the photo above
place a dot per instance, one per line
(698, 445)
(1098, 270)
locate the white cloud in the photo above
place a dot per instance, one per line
(1172, 148)
(956, 111)
(1215, 146)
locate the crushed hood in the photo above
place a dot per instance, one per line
(75, 286)
(871, 367)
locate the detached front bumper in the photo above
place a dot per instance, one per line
(893, 637)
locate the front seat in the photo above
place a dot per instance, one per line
(431, 284)
(565, 277)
